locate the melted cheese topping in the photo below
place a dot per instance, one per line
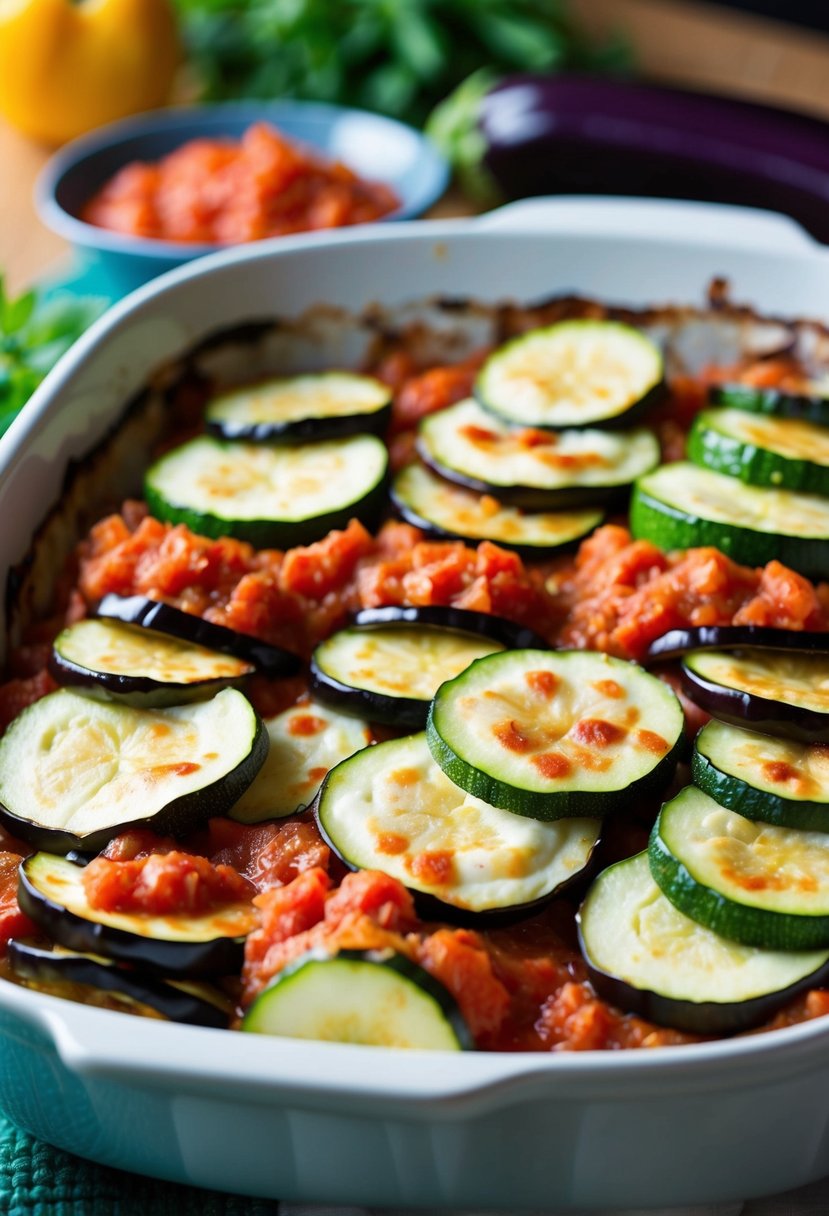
(392, 809)
(480, 517)
(72, 763)
(703, 494)
(473, 443)
(780, 766)
(778, 869)
(249, 481)
(796, 679)
(130, 650)
(295, 398)
(571, 373)
(306, 741)
(570, 721)
(400, 660)
(632, 931)
(789, 437)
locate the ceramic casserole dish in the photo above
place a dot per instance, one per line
(711, 1122)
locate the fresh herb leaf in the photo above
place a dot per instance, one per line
(34, 333)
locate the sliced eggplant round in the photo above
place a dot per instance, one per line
(390, 808)
(533, 469)
(571, 374)
(140, 667)
(442, 509)
(273, 497)
(165, 618)
(52, 894)
(378, 998)
(646, 957)
(762, 450)
(777, 781)
(682, 506)
(812, 404)
(678, 642)
(555, 733)
(74, 771)
(322, 405)
(306, 741)
(62, 972)
(389, 673)
(778, 692)
(752, 882)
(461, 620)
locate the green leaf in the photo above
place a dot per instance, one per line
(17, 312)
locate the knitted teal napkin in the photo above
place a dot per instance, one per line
(38, 1180)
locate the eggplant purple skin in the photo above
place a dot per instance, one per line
(165, 618)
(756, 713)
(139, 691)
(459, 620)
(217, 956)
(692, 1017)
(38, 964)
(678, 642)
(569, 134)
(408, 713)
(304, 430)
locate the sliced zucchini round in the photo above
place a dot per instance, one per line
(74, 772)
(762, 450)
(774, 691)
(648, 958)
(62, 971)
(553, 733)
(378, 998)
(681, 506)
(437, 506)
(574, 373)
(678, 642)
(305, 742)
(52, 894)
(460, 620)
(322, 405)
(754, 883)
(165, 618)
(774, 780)
(389, 673)
(140, 667)
(270, 496)
(533, 469)
(812, 404)
(390, 808)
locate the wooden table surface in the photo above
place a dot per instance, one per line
(27, 248)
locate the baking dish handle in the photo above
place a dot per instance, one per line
(654, 218)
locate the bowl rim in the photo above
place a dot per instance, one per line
(432, 181)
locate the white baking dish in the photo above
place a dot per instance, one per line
(297, 1120)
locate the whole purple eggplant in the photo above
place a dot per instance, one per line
(565, 134)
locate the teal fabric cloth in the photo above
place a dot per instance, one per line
(38, 1180)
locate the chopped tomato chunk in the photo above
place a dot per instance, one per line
(13, 922)
(163, 884)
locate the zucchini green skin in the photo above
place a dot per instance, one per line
(37, 965)
(756, 804)
(536, 804)
(270, 533)
(444, 1006)
(809, 407)
(305, 430)
(669, 528)
(211, 957)
(713, 448)
(750, 926)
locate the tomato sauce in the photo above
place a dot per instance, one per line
(224, 192)
(522, 988)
